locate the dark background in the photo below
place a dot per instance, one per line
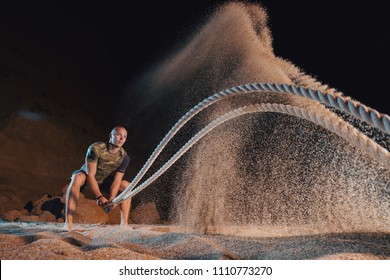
(345, 47)
(342, 46)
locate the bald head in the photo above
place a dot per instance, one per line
(115, 129)
(118, 136)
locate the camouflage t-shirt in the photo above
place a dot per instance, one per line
(107, 163)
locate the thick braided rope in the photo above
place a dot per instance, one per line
(330, 122)
(359, 110)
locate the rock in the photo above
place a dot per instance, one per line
(47, 203)
(37, 209)
(145, 214)
(29, 206)
(54, 206)
(14, 215)
(44, 198)
(89, 212)
(114, 216)
(32, 218)
(46, 216)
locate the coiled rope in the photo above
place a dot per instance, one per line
(357, 109)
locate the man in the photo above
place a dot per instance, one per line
(103, 170)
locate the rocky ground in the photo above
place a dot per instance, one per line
(50, 208)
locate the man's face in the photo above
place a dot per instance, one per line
(118, 136)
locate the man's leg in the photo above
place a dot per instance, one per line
(72, 198)
(125, 205)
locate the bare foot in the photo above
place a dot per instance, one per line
(124, 225)
(67, 227)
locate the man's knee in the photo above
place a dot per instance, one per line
(124, 185)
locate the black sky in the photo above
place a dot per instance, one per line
(343, 46)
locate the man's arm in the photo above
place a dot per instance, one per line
(118, 177)
(91, 172)
(116, 184)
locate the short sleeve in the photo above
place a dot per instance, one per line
(92, 154)
(125, 162)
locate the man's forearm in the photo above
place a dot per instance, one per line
(114, 190)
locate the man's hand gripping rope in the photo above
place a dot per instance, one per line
(105, 204)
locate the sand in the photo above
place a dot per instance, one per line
(48, 241)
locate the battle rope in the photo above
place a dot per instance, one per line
(331, 122)
(357, 109)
